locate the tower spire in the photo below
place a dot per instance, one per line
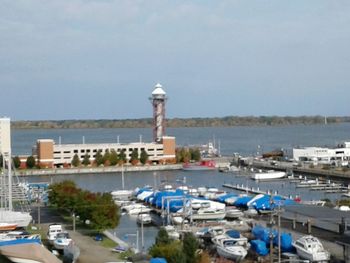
(158, 100)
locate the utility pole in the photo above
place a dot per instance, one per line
(271, 234)
(39, 214)
(279, 232)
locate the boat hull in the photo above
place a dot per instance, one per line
(236, 253)
(268, 176)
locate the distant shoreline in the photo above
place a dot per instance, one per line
(229, 121)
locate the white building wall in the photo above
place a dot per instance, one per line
(323, 155)
(5, 135)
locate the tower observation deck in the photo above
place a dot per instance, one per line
(158, 100)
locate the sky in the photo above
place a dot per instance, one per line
(100, 59)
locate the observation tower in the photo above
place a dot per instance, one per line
(158, 100)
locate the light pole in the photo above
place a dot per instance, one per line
(137, 239)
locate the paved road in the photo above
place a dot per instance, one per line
(91, 251)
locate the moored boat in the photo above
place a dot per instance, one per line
(7, 226)
(144, 218)
(310, 248)
(201, 166)
(228, 248)
(62, 240)
(208, 214)
(269, 175)
(233, 213)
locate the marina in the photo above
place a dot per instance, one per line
(236, 184)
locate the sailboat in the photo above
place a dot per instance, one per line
(9, 213)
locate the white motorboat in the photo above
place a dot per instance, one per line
(199, 203)
(239, 240)
(233, 213)
(121, 194)
(269, 175)
(228, 248)
(135, 209)
(208, 214)
(144, 218)
(310, 248)
(53, 231)
(250, 212)
(202, 190)
(172, 232)
(62, 240)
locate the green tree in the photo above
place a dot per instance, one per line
(98, 158)
(16, 162)
(113, 157)
(182, 155)
(30, 162)
(75, 161)
(106, 158)
(134, 157)
(122, 156)
(172, 252)
(99, 208)
(162, 237)
(105, 214)
(195, 154)
(143, 156)
(86, 160)
(190, 246)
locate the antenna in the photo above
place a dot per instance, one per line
(83, 139)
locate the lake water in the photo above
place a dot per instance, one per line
(244, 140)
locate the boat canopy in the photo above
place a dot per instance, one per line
(242, 201)
(259, 247)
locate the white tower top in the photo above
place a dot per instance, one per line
(158, 90)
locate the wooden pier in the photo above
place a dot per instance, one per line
(251, 190)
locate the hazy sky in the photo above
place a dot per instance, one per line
(88, 59)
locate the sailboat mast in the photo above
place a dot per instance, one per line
(9, 164)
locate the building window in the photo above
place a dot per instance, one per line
(66, 152)
(75, 151)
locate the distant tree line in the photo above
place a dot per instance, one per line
(181, 122)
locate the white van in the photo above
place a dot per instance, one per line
(52, 232)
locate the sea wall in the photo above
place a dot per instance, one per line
(92, 170)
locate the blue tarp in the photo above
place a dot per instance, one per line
(263, 233)
(224, 197)
(286, 242)
(233, 233)
(158, 197)
(264, 203)
(20, 241)
(242, 201)
(158, 260)
(259, 247)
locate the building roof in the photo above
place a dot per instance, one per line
(158, 90)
